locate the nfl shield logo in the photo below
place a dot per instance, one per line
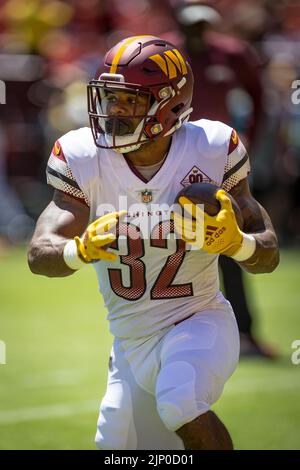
(146, 196)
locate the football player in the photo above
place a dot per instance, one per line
(176, 341)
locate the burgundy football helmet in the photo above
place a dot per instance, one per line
(157, 82)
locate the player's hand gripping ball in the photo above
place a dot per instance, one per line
(97, 238)
(210, 219)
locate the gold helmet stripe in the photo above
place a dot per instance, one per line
(161, 62)
(116, 60)
(170, 63)
(177, 58)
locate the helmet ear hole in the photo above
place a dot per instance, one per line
(177, 108)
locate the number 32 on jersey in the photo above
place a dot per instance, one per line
(163, 287)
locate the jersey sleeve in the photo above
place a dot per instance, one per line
(237, 166)
(60, 176)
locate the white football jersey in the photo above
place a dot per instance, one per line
(157, 280)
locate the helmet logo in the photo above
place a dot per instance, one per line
(170, 63)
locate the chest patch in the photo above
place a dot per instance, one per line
(195, 175)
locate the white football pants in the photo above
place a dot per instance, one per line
(159, 383)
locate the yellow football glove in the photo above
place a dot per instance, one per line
(217, 234)
(96, 236)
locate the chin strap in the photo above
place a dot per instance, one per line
(129, 148)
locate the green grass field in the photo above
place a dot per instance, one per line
(57, 349)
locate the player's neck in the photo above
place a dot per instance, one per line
(150, 153)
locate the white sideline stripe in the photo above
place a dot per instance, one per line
(290, 381)
(50, 411)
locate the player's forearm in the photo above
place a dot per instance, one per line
(266, 256)
(62, 219)
(258, 224)
(45, 257)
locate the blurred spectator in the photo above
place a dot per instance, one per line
(28, 23)
(15, 225)
(277, 166)
(131, 17)
(227, 69)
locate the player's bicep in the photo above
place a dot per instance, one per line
(60, 175)
(65, 216)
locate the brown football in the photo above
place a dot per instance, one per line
(205, 193)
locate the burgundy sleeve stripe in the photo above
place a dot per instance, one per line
(235, 168)
(63, 178)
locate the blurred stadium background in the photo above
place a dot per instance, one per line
(56, 336)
